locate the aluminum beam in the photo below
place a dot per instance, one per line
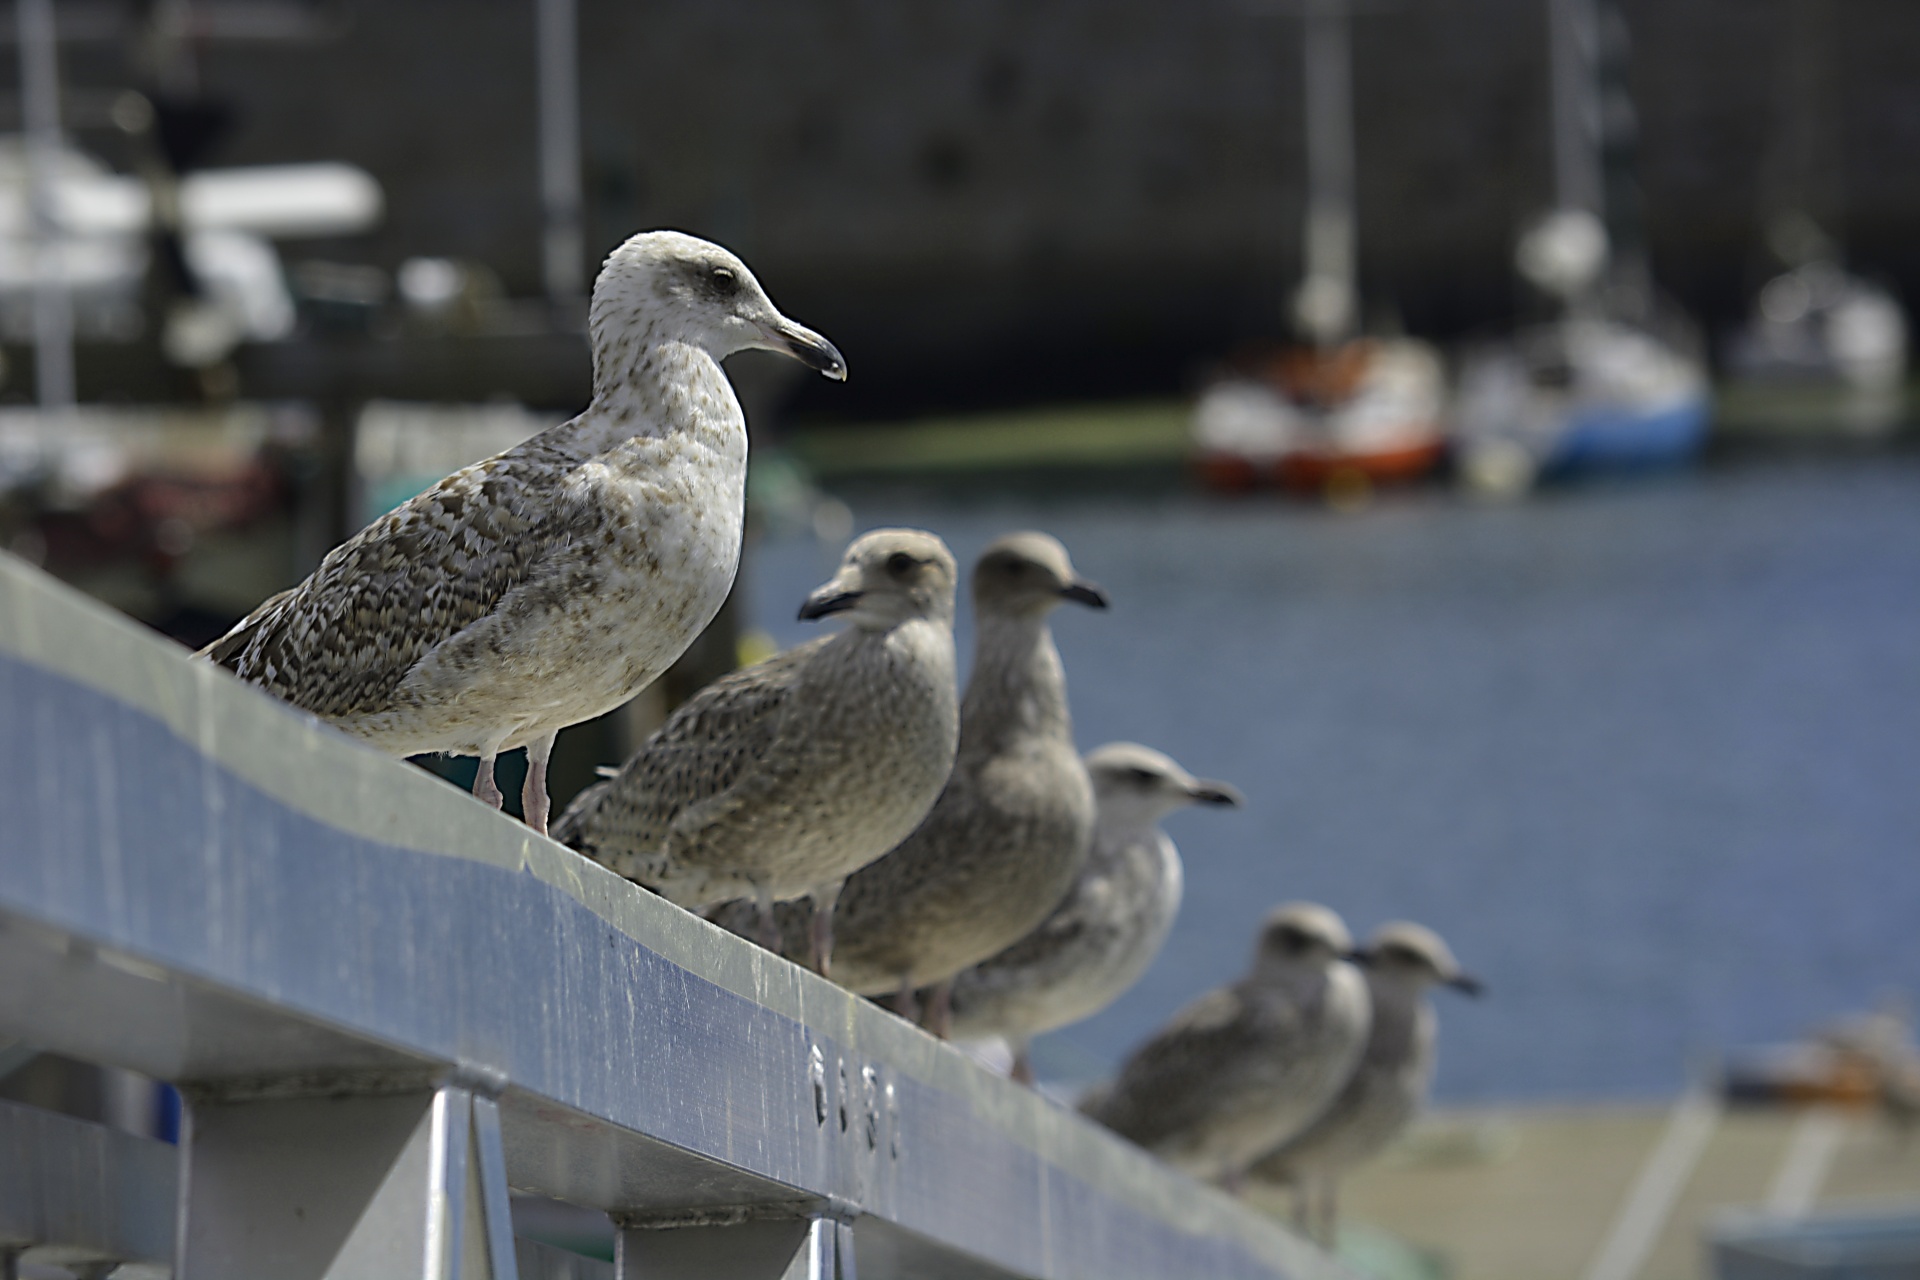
(201, 884)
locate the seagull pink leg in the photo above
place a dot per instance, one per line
(534, 803)
(484, 787)
(823, 897)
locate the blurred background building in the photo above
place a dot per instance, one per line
(996, 202)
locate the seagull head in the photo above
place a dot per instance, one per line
(681, 286)
(1415, 955)
(1136, 786)
(1029, 573)
(1300, 935)
(888, 577)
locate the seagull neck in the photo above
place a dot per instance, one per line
(1396, 1004)
(647, 384)
(1018, 688)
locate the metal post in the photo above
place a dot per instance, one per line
(1573, 32)
(563, 243)
(40, 108)
(326, 1188)
(783, 1249)
(1327, 303)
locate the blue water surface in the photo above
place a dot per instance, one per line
(1647, 754)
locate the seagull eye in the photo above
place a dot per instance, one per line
(1145, 777)
(900, 564)
(724, 281)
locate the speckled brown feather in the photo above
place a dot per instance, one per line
(341, 642)
(781, 779)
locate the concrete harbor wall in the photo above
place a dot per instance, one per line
(987, 197)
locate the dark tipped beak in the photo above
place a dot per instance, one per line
(810, 349)
(1215, 793)
(1080, 591)
(828, 600)
(1467, 984)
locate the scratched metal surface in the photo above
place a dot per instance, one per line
(199, 883)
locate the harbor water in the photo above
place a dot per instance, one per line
(1647, 754)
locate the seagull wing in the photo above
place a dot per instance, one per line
(341, 642)
(709, 758)
(1163, 1089)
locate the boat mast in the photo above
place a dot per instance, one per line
(1573, 32)
(1326, 304)
(40, 110)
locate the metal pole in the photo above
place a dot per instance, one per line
(1328, 296)
(563, 244)
(1573, 32)
(40, 108)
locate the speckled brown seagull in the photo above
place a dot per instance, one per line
(1006, 838)
(548, 584)
(780, 780)
(1111, 924)
(1384, 1094)
(1245, 1067)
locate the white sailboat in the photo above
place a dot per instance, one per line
(1340, 411)
(1603, 386)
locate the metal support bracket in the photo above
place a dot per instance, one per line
(339, 1187)
(818, 1248)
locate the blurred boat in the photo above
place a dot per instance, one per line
(1339, 412)
(1329, 420)
(1610, 384)
(1799, 1074)
(1823, 352)
(1585, 394)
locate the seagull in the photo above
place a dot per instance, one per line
(548, 584)
(1099, 940)
(1006, 838)
(1245, 1067)
(779, 780)
(1388, 1088)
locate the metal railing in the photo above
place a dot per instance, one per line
(385, 1005)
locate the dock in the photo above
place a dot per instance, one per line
(1521, 1193)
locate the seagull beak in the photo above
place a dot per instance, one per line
(1467, 984)
(1080, 591)
(828, 600)
(806, 346)
(1214, 793)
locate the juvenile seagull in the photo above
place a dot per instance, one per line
(1244, 1067)
(1006, 837)
(1102, 937)
(777, 781)
(1388, 1088)
(548, 584)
